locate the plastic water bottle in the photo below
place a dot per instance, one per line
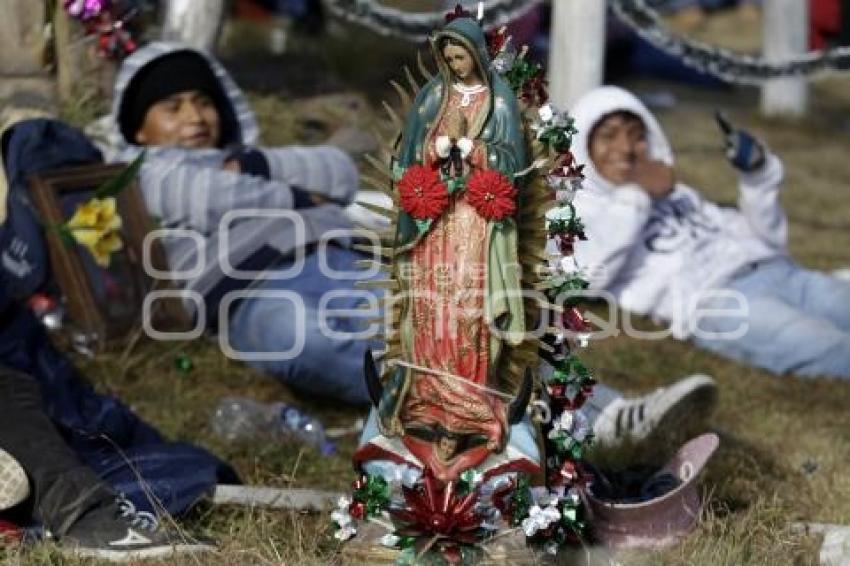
(240, 418)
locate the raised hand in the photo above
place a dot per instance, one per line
(743, 150)
(655, 177)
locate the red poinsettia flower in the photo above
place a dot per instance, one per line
(492, 194)
(436, 509)
(423, 195)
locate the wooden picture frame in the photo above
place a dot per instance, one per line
(103, 302)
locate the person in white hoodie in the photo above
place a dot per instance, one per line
(720, 276)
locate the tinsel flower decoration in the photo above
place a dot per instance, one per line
(343, 521)
(565, 178)
(540, 519)
(492, 194)
(422, 194)
(435, 509)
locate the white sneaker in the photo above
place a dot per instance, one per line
(690, 399)
(843, 274)
(14, 485)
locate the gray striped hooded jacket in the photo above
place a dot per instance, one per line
(187, 190)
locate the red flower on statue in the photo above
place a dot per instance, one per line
(435, 509)
(492, 194)
(423, 194)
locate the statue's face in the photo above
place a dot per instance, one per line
(460, 62)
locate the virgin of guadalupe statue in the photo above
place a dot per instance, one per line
(463, 151)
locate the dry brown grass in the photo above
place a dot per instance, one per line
(770, 426)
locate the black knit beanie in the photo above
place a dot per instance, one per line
(166, 76)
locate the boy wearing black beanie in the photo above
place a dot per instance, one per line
(176, 100)
(238, 213)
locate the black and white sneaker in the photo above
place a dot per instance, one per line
(688, 401)
(118, 532)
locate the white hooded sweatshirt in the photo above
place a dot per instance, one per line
(658, 257)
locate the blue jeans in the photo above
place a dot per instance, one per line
(317, 350)
(799, 321)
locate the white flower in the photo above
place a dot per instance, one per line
(341, 518)
(531, 525)
(551, 514)
(572, 423)
(568, 265)
(443, 146)
(389, 540)
(539, 519)
(564, 422)
(465, 145)
(345, 533)
(580, 428)
(546, 113)
(503, 62)
(559, 213)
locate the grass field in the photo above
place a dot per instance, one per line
(785, 448)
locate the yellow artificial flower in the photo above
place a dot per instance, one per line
(97, 214)
(95, 226)
(102, 251)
